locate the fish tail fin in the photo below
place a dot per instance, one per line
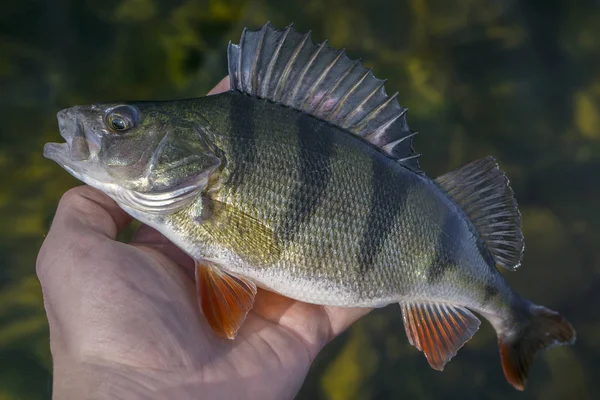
(540, 328)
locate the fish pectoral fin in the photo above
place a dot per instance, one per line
(245, 234)
(438, 329)
(225, 299)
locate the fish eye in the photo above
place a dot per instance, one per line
(121, 118)
(117, 123)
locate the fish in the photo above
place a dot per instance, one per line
(302, 180)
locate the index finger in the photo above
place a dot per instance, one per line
(84, 215)
(85, 210)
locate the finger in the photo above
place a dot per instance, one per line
(151, 238)
(84, 215)
(316, 325)
(84, 218)
(84, 210)
(341, 318)
(221, 87)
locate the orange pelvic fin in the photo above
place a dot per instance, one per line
(438, 330)
(225, 299)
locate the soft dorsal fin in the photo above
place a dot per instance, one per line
(482, 191)
(287, 67)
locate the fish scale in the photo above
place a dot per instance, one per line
(302, 179)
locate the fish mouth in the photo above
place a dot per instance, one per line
(59, 153)
(79, 153)
(75, 131)
(56, 151)
(86, 171)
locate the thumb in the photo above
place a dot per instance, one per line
(87, 210)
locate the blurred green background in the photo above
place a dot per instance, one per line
(519, 80)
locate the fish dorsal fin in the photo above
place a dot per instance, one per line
(287, 67)
(482, 190)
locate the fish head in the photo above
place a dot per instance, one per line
(140, 154)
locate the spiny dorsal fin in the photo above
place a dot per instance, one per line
(482, 191)
(438, 330)
(287, 67)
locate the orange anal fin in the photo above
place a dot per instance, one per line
(225, 299)
(438, 330)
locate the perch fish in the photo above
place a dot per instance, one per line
(302, 179)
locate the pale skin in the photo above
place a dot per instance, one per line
(125, 322)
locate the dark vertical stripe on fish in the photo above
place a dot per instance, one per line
(491, 291)
(242, 153)
(438, 268)
(382, 216)
(444, 249)
(315, 152)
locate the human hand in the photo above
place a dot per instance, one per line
(124, 320)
